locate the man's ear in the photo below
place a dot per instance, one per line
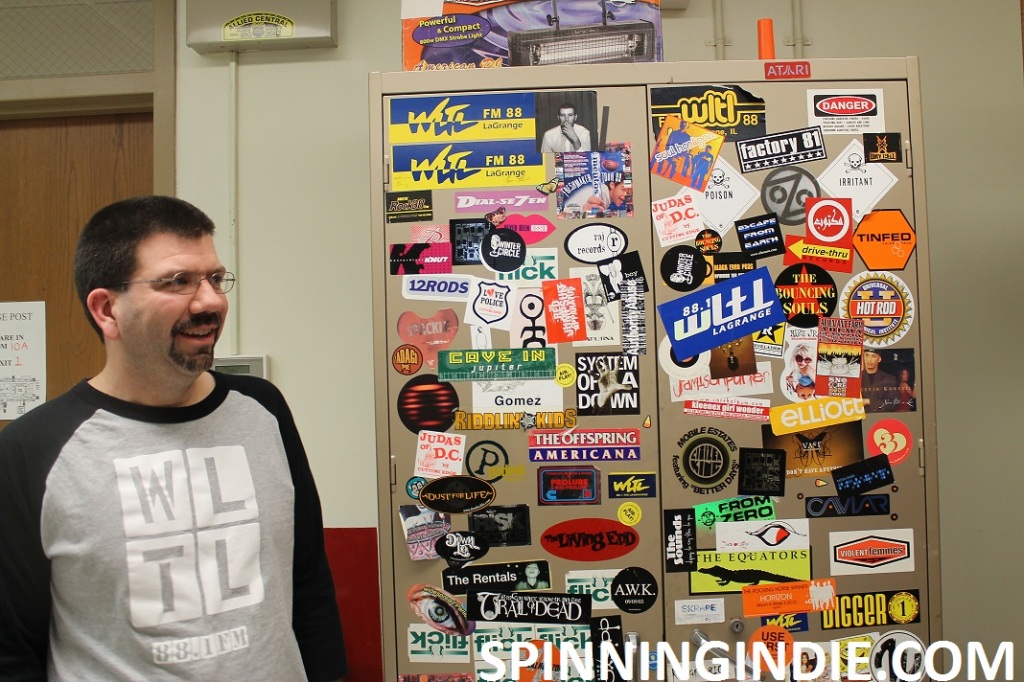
(100, 303)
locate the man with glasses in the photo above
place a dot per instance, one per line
(160, 521)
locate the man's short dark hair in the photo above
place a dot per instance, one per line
(107, 246)
(567, 105)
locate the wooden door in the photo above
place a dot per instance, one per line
(54, 174)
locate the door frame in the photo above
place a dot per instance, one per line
(150, 91)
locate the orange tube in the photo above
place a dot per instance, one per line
(765, 39)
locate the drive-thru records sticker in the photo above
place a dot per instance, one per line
(883, 301)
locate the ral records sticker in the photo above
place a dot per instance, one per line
(634, 589)
(883, 301)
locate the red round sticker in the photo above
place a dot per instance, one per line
(589, 539)
(892, 438)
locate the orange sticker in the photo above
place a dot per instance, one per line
(772, 637)
(885, 240)
(795, 597)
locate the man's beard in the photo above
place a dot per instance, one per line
(204, 360)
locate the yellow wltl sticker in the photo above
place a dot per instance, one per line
(812, 414)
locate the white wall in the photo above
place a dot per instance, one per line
(304, 242)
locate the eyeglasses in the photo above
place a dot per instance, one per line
(187, 283)
(801, 359)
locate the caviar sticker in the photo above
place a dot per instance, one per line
(502, 525)
(798, 596)
(885, 240)
(807, 292)
(892, 438)
(457, 494)
(816, 452)
(630, 513)
(421, 258)
(726, 109)
(685, 152)
(865, 552)
(430, 334)
(883, 148)
(589, 539)
(884, 303)
(726, 197)
(762, 472)
(849, 176)
(568, 485)
(680, 540)
(784, 192)
(677, 218)
(439, 454)
(407, 359)
(425, 403)
(706, 461)
(781, 149)
(732, 572)
(873, 609)
(521, 575)
(601, 315)
(635, 589)
(876, 504)
(426, 644)
(422, 527)
(408, 207)
(842, 112)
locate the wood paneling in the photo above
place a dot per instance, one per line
(54, 174)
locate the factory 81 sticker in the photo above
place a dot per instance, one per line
(883, 301)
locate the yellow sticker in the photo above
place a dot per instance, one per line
(630, 513)
(812, 414)
(258, 26)
(565, 375)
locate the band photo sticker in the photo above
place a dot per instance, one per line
(567, 121)
(685, 152)
(519, 575)
(607, 384)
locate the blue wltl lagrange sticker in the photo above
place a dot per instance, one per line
(721, 313)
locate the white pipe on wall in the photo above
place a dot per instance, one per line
(231, 323)
(797, 9)
(718, 18)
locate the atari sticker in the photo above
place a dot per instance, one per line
(885, 240)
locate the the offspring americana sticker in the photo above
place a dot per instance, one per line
(883, 301)
(685, 152)
(584, 445)
(876, 504)
(731, 572)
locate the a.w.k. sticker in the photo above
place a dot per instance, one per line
(781, 149)
(462, 165)
(721, 313)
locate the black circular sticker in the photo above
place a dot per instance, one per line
(708, 241)
(460, 547)
(706, 463)
(426, 404)
(784, 192)
(684, 268)
(634, 589)
(806, 292)
(503, 250)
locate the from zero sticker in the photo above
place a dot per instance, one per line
(883, 301)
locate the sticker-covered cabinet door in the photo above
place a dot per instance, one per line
(653, 364)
